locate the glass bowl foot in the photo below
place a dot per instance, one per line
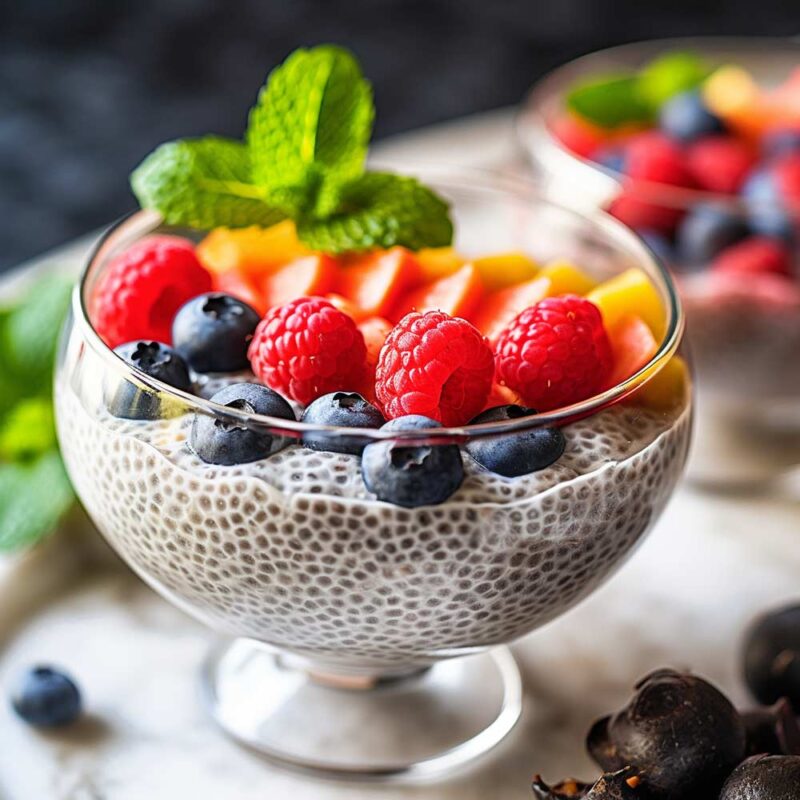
(418, 724)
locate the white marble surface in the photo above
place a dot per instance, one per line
(710, 565)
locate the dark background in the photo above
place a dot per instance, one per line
(88, 87)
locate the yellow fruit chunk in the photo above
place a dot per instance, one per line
(565, 278)
(630, 293)
(252, 250)
(505, 269)
(438, 262)
(666, 388)
(729, 90)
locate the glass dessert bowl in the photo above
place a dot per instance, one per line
(703, 163)
(351, 604)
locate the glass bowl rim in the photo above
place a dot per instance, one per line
(531, 118)
(146, 222)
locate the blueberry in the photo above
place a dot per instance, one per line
(345, 409)
(212, 332)
(411, 475)
(659, 244)
(156, 360)
(625, 784)
(781, 142)
(705, 231)
(766, 213)
(612, 159)
(774, 730)
(515, 454)
(218, 440)
(764, 778)
(772, 657)
(685, 117)
(677, 730)
(47, 698)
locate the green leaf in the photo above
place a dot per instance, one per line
(202, 183)
(609, 101)
(381, 209)
(33, 498)
(310, 128)
(671, 74)
(28, 431)
(29, 335)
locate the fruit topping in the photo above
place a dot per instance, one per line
(438, 262)
(781, 142)
(555, 353)
(306, 277)
(772, 657)
(764, 778)
(504, 269)
(156, 360)
(678, 732)
(344, 409)
(241, 286)
(375, 282)
(141, 289)
(436, 366)
(457, 295)
(411, 474)
(566, 278)
(228, 441)
(630, 208)
(47, 698)
(576, 135)
(774, 730)
(705, 231)
(686, 117)
(498, 310)
(756, 254)
(632, 347)
(566, 790)
(251, 250)
(213, 331)
(720, 163)
(515, 454)
(654, 157)
(307, 348)
(666, 388)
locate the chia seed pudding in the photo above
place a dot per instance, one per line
(295, 552)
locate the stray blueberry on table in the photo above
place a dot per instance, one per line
(47, 698)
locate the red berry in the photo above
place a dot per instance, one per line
(643, 215)
(307, 348)
(434, 365)
(575, 135)
(787, 175)
(756, 254)
(141, 290)
(655, 158)
(720, 163)
(555, 353)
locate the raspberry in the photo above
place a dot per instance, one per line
(643, 215)
(141, 290)
(307, 348)
(554, 353)
(787, 177)
(436, 366)
(720, 163)
(575, 135)
(654, 157)
(756, 254)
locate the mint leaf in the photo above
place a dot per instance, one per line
(310, 129)
(28, 430)
(671, 74)
(33, 498)
(202, 183)
(609, 101)
(29, 335)
(381, 209)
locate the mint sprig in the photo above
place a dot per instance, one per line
(34, 488)
(303, 158)
(203, 183)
